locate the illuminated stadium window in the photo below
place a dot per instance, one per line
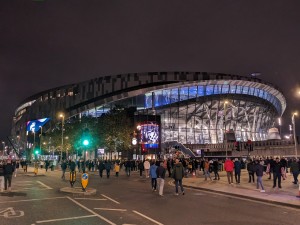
(174, 95)
(238, 89)
(233, 89)
(193, 92)
(251, 91)
(245, 90)
(184, 91)
(225, 89)
(201, 91)
(166, 94)
(148, 100)
(209, 90)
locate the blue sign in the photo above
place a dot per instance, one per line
(35, 125)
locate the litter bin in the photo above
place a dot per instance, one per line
(52, 168)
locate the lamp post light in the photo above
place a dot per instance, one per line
(139, 151)
(41, 139)
(225, 138)
(62, 116)
(279, 123)
(294, 131)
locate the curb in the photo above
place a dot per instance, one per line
(245, 197)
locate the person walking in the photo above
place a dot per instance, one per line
(237, 170)
(228, 166)
(250, 169)
(161, 173)
(177, 175)
(101, 167)
(63, 169)
(153, 175)
(216, 169)
(1, 176)
(294, 169)
(108, 166)
(127, 165)
(8, 173)
(259, 171)
(277, 168)
(117, 169)
(141, 167)
(206, 169)
(146, 168)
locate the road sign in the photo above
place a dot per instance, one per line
(84, 181)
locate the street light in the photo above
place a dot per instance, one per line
(279, 123)
(294, 131)
(62, 116)
(225, 138)
(41, 139)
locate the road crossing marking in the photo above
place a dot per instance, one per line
(148, 218)
(62, 219)
(99, 199)
(121, 210)
(44, 185)
(91, 211)
(111, 199)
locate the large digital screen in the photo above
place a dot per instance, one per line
(150, 134)
(35, 125)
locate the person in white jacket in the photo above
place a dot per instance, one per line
(146, 168)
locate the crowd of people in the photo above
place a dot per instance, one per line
(176, 168)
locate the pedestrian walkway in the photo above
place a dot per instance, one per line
(287, 195)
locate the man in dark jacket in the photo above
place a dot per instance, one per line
(237, 170)
(277, 173)
(178, 174)
(8, 172)
(259, 171)
(295, 170)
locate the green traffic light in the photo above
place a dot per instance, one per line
(86, 142)
(36, 152)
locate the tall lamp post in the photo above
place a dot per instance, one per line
(62, 116)
(294, 131)
(41, 139)
(225, 138)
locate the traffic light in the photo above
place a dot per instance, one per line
(36, 151)
(85, 142)
(86, 138)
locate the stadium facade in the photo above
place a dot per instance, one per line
(194, 107)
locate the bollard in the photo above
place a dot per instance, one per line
(84, 181)
(72, 178)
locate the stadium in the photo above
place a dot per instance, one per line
(192, 107)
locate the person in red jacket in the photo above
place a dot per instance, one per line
(229, 170)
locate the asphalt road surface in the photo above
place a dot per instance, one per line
(130, 201)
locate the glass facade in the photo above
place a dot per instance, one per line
(189, 119)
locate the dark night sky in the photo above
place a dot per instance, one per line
(45, 44)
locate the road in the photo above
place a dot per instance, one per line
(130, 200)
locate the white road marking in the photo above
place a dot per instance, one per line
(122, 210)
(35, 199)
(148, 218)
(70, 218)
(91, 211)
(111, 199)
(44, 185)
(98, 199)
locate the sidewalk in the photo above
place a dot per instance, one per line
(284, 196)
